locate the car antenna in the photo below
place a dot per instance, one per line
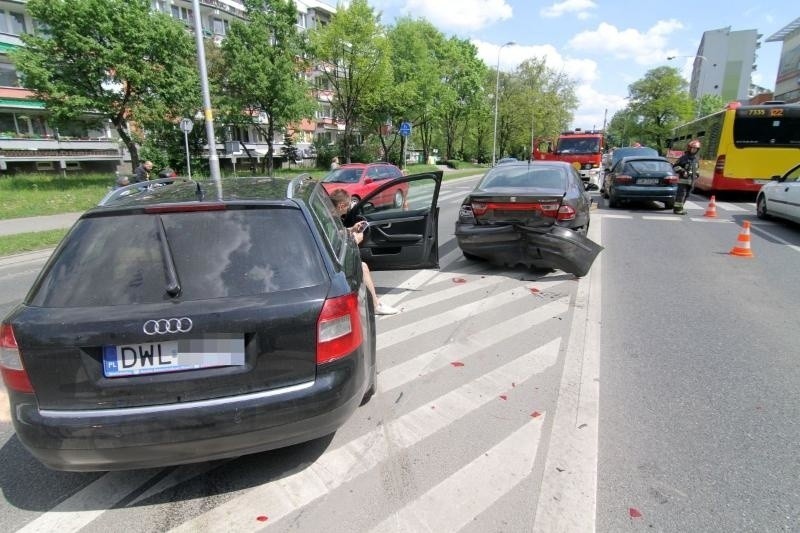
(199, 193)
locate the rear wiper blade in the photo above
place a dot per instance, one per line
(173, 283)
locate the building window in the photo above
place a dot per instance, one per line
(220, 26)
(22, 124)
(160, 6)
(12, 22)
(183, 14)
(301, 20)
(8, 75)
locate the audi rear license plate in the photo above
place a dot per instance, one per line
(172, 356)
(647, 181)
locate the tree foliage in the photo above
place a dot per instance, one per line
(660, 101)
(261, 82)
(353, 51)
(115, 58)
(709, 103)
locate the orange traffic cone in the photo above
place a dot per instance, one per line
(742, 248)
(711, 210)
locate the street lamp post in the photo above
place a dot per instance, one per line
(496, 94)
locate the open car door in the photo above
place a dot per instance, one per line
(403, 219)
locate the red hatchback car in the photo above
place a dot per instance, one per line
(360, 179)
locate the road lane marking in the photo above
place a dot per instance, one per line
(86, 505)
(453, 316)
(459, 499)
(691, 205)
(705, 219)
(280, 497)
(607, 215)
(5, 413)
(662, 217)
(568, 499)
(760, 229)
(453, 291)
(725, 206)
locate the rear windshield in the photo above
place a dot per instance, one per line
(344, 175)
(525, 176)
(648, 167)
(118, 260)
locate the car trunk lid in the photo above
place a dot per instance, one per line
(264, 343)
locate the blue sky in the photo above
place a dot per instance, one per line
(603, 46)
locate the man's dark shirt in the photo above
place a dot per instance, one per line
(140, 174)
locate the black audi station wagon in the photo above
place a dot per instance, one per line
(192, 322)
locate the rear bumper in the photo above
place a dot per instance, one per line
(121, 439)
(553, 247)
(633, 192)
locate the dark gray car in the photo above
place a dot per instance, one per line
(532, 213)
(186, 323)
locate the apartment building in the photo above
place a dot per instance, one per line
(28, 142)
(724, 63)
(787, 82)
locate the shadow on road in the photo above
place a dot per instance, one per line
(27, 484)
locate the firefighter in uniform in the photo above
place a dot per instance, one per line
(686, 169)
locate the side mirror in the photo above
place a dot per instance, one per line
(776, 178)
(591, 187)
(367, 208)
(367, 181)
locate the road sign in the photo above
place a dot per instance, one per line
(186, 125)
(405, 129)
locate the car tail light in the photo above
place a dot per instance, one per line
(623, 178)
(14, 374)
(671, 180)
(465, 214)
(479, 208)
(338, 328)
(566, 212)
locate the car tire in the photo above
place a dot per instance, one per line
(612, 201)
(669, 204)
(471, 257)
(761, 207)
(398, 199)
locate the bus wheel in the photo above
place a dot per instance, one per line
(761, 208)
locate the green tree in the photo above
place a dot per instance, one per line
(661, 102)
(462, 74)
(354, 51)
(115, 58)
(262, 80)
(623, 127)
(708, 104)
(535, 101)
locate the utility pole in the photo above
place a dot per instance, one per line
(213, 158)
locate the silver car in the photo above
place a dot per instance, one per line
(781, 197)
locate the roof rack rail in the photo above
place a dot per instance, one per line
(140, 187)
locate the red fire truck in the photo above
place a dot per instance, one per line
(581, 148)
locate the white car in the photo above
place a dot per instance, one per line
(781, 197)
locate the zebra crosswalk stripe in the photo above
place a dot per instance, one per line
(426, 325)
(279, 498)
(457, 500)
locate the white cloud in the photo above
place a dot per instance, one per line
(643, 47)
(593, 106)
(581, 70)
(568, 6)
(460, 15)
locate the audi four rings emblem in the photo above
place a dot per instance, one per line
(167, 325)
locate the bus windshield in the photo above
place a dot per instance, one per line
(776, 127)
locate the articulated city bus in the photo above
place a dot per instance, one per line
(743, 146)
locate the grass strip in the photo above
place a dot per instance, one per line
(29, 242)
